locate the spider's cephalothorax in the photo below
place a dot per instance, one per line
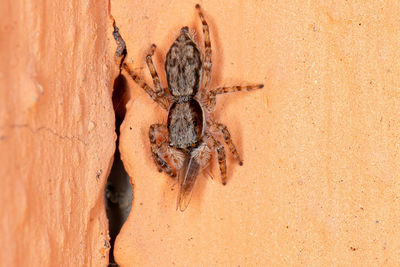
(186, 143)
(183, 66)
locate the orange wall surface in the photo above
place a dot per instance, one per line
(57, 136)
(320, 142)
(320, 183)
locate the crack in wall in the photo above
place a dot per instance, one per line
(118, 192)
(42, 128)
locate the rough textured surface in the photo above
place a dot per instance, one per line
(320, 181)
(56, 132)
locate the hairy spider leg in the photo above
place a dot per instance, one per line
(162, 101)
(220, 128)
(167, 159)
(209, 100)
(159, 91)
(207, 63)
(221, 158)
(233, 89)
(120, 53)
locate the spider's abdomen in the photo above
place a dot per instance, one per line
(185, 124)
(183, 66)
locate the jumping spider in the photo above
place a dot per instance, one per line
(186, 143)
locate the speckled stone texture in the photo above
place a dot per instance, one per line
(320, 143)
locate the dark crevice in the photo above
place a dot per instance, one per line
(118, 192)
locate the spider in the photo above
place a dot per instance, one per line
(184, 146)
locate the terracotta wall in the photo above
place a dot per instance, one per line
(320, 180)
(56, 132)
(319, 185)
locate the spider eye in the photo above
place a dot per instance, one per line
(195, 123)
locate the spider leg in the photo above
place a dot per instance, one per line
(159, 91)
(207, 64)
(157, 95)
(167, 159)
(209, 99)
(233, 89)
(161, 100)
(219, 127)
(120, 53)
(215, 144)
